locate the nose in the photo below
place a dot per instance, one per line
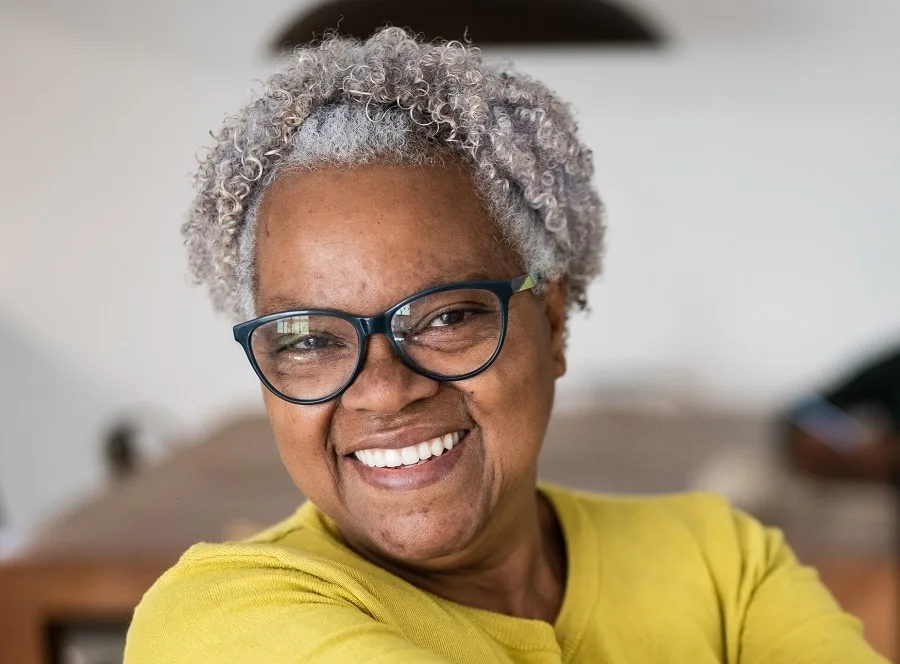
(385, 384)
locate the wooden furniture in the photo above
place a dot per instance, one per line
(40, 594)
(867, 588)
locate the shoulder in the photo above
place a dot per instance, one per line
(218, 591)
(300, 551)
(764, 604)
(702, 528)
(696, 512)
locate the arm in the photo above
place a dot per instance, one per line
(790, 617)
(214, 615)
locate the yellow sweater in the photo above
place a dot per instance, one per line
(670, 580)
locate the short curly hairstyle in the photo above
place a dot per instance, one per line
(397, 99)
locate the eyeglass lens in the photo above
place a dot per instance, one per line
(447, 334)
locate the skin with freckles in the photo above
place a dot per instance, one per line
(360, 240)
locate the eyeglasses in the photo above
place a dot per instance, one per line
(446, 333)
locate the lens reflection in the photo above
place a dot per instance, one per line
(450, 333)
(306, 357)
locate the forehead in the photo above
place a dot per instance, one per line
(360, 239)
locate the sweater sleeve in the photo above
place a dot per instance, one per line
(789, 615)
(216, 611)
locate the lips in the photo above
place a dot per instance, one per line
(416, 473)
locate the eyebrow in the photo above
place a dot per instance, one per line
(279, 304)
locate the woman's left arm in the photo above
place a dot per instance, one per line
(789, 615)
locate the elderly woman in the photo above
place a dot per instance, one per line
(405, 229)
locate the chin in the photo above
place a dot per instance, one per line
(424, 536)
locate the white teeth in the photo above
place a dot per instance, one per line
(378, 458)
(408, 456)
(392, 458)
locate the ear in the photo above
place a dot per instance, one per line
(555, 310)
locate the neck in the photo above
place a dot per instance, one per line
(517, 569)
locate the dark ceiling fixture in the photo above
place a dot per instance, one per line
(484, 22)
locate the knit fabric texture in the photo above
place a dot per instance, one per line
(680, 579)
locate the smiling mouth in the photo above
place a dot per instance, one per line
(413, 455)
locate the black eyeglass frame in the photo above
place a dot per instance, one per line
(366, 326)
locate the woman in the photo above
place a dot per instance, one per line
(405, 230)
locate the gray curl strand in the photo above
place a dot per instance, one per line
(394, 98)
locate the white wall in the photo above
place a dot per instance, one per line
(751, 173)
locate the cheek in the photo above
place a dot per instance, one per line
(511, 401)
(300, 433)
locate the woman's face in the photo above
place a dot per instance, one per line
(360, 240)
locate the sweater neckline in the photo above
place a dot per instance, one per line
(580, 595)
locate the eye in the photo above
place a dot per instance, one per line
(455, 317)
(313, 343)
(450, 318)
(309, 342)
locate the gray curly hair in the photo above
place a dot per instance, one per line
(393, 98)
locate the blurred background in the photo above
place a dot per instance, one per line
(748, 152)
